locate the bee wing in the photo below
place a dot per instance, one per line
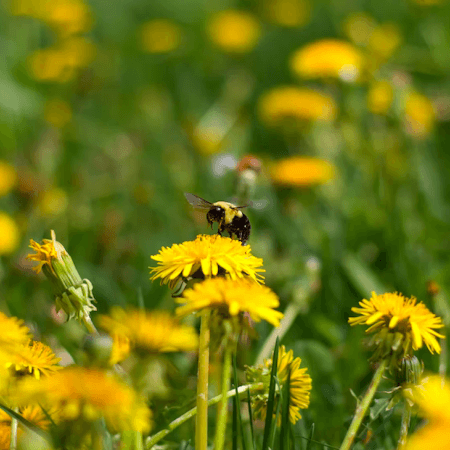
(197, 202)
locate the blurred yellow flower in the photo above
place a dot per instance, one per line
(208, 255)
(9, 234)
(359, 27)
(150, 331)
(61, 62)
(384, 40)
(57, 112)
(231, 297)
(160, 36)
(8, 177)
(120, 349)
(33, 414)
(432, 397)
(328, 58)
(78, 393)
(291, 102)
(301, 171)
(14, 332)
(380, 97)
(69, 17)
(52, 202)
(234, 31)
(288, 13)
(299, 387)
(419, 115)
(34, 358)
(400, 324)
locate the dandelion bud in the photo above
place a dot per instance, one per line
(409, 371)
(72, 294)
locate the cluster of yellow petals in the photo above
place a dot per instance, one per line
(155, 331)
(34, 358)
(396, 313)
(14, 332)
(9, 234)
(432, 396)
(301, 171)
(232, 297)
(328, 58)
(88, 394)
(292, 102)
(234, 31)
(210, 254)
(45, 252)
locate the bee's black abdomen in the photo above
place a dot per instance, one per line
(241, 227)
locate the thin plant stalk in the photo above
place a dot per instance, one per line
(14, 429)
(151, 441)
(201, 425)
(363, 406)
(404, 427)
(89, 325)
(223, 407)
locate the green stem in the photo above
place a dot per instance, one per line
(404, 427)
(132, 440)
(152, 440)
(14, 426)
(223, 407)
(201, 425)
(89, 325)
(290, 314)
(363, 405)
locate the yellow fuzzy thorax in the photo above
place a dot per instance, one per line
(230, 211)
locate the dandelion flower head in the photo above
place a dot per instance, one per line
(8, 177)
(301, 171)
(231, 297)
(34, 358)
(432, 397)
(419, 115)
(9, 234)
(380, 97)
(160, 36)
(399, 323)
(78, 393)
(14, 332)
(234, 31)
(45, 252)
(155, 331)
(300, 104)
(300, 384)
(209, 254)
(328, 58)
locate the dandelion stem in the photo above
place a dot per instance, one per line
(14, 426)
(223, 406)
(152, 440)
(363, 405)
(404, 427)
(89, 324)
(201, 426)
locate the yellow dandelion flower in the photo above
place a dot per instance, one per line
(232, 297)
(288, 13)
(401, 324)
(57, 112)
(299, 387)
(9, 234)
(34, 358)
(69, 17)
(155, 331)
(380, 97)
(14, 332)
(419, 115)
(301, 171)
(210, 255)
(160, 36)
(384, 40)
(78, 393)
(234, 31)
(120, 348)
(432, 397)
(8, 178)
(328, 58)
(45, 253)
(284, 103)
(359, 27)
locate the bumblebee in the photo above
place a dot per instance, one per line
(229, 217)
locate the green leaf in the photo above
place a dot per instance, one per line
(380, 405)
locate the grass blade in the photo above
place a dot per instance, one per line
(238, 404)
(284, 431)
(25, 422)
(250, 415)
(235, 425)
(271, 400)
(310, 438)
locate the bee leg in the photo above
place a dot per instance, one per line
(220, 229)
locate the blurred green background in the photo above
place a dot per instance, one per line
(109, 112)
